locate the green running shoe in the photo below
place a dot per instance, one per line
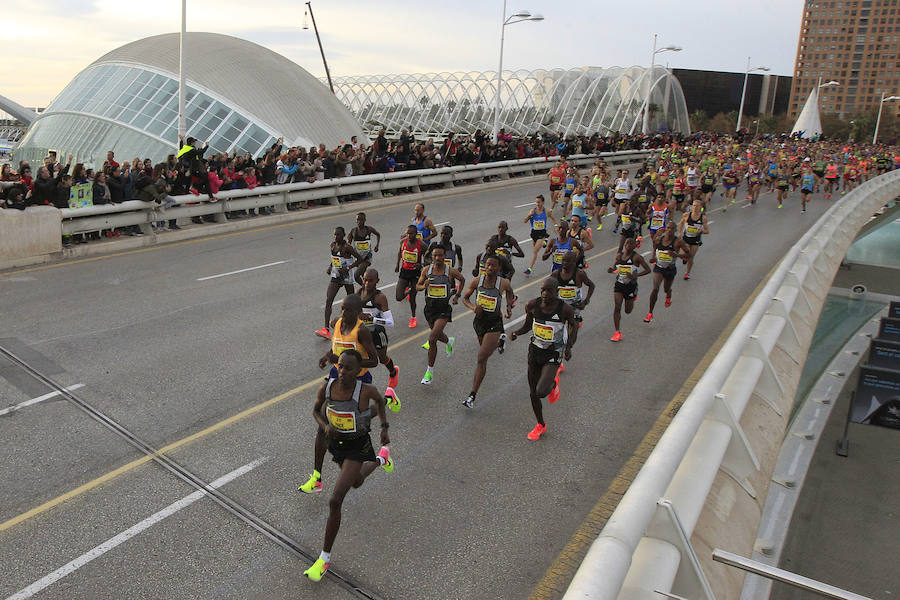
(385, 453)
(391, 399)
(450, 342)
(427, 378)
(312, 486)
(427, 345)
(317, 571)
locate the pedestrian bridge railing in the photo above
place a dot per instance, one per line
(708, 456)
(136, 212)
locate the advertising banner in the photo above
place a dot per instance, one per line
(889, 329)
(877, 399)
(81, 195)
(884, 353)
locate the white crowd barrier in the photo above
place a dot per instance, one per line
(646, 546)
(140, 213)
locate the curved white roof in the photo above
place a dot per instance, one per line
(263, 83)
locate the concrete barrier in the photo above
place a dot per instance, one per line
(29, 234)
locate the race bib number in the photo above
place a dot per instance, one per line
(570, 186)
(504, 252)
(339, 346)
(409, 257)
(693, 230)
(557, 257)
(341, 420)
(625, 270)
(449, 263)
(656, 222)
(366, 318)
(542, 332)
(335, 262)
(538, 225)
(577, 203)
(419, 236)
(567, 292)
(437, 291)
(642, 198)
(488, 303)
(362, 246)
(626, 219)
(707, 181)
(601, 196)
(663, 256)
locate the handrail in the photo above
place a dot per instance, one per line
(682, 466)
(136, 212)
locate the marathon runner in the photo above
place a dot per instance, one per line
(376, 315)
(569, 281)
(582, 235)
(831, 178)
(361, 239)
(537, 217)
(667, 247)
(601, 202)
(693, 224)
(558, 246)
(622, 191)
(507, 246)
(631, 216)
(490, 249)
(658, 217)
(556, 176)
(548, 319)
(488, 323)
(807, 185)
(425, 229)
(453, 255)
(438, 283)
(782, 183)
(344, 258)
(625, 290)
(730, 182)
(409, 267)
(343, 410)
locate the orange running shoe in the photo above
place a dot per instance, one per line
(668, 302)
(537, 432)
(413, 322)
(617, 337)
(554, 394)
(394, 379)
(648, 318)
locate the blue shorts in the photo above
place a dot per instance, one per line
(365, 377)
(583, 221)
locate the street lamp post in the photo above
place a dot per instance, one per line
(318, 39)
(517, 17)
(182, 122)
(878, 121)
(744, 92)
(646, 123)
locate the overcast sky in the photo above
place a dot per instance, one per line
(49, 41)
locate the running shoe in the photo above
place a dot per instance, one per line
(392, 399)
(528, 271)
(537, 432)
(638, 245)
(687, 275)
(617, 337)
(599, 226)
(648, 318)
(385, 453)
(469, 402)
(501, 345)
(427, 345)
(779, 206)
(312, 486)
(325, 332)
(803, 210)
(450, 341)
(668, 302)
(586, 266)
(427, 378)
(590, 217)
(413, 322)
(394, 379)
(616, 229)
(725, 208)
(554, 394)
(560, 369)
(317, 571)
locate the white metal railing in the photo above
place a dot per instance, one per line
(645, 545)
(136, 212)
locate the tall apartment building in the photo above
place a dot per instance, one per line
(853, 42)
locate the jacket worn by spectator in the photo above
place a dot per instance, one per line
(147, 190)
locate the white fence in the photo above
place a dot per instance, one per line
(140, 213)
(646, 545)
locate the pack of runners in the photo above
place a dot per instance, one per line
(667, 199)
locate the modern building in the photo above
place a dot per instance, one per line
(716, 92)
(240, 96)
(573, 101)
(853, 42)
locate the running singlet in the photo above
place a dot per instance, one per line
(538, 220)
(504, 248)
(409, 257)
(438, 291)
(370, 311)
(625, 270)
(601, 193)
(341, 341)
(623, 187)
(548, 330)
(831, 172)
(693, 177)
(578, 205)
(364, 245)
(570, 185)
(424, 232)
(568, 292)
(693, 228)
(665, 256)
(678, 186)
(340, 262)
(559, 251)
(488, 298)
(556, 177)
(808, 182)
(629, 222)
(658, 218)
(345, 416)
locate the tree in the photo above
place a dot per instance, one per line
(699, 120)
(723, 122)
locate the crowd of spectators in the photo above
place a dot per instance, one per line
(190, 170)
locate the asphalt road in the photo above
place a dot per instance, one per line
(473, 509)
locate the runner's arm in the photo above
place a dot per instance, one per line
(705, 225)
(317, 408)
(460, 257)
(645, 268)
(457, 289)
(510, 297)
(365, 340)
(477, 262)
(585, 280)
(377, 237)
(431, 228)
(589, 243)
(529, 321)
(518, 251)
(528, 218)
(469, 290)
(421, 283)
(550, 248)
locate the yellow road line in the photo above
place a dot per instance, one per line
(218, 236)
(211, 429)
(560, 573)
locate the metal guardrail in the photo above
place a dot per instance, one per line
(645, 545)
(136, 212)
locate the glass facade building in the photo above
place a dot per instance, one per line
(127, 102)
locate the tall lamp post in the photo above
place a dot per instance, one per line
(318, 39)
(744, 91)
(182, 122)
(878, 121)
(656, 51)
(517, 17)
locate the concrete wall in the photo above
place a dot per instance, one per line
(25, 234)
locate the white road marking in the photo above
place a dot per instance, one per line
(129, 533)
(515, 321)
(280, 262)
(380, 287)
(47, 396)
(444, 223)
(526, 204)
